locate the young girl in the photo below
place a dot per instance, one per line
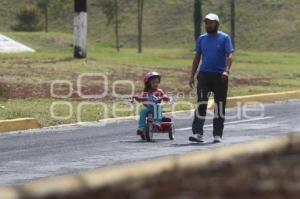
(151, 98)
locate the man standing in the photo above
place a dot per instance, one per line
(216, 50)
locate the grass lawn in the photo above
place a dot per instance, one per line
(25, 79)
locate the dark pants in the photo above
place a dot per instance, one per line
(207, 83)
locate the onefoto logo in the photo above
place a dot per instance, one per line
(97, 97)
(116, 108)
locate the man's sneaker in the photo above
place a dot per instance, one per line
(217, 139)
(197, 138)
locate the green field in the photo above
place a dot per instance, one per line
(252, 73)
(264, 25)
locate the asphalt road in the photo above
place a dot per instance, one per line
(35, 154)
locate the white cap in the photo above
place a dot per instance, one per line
(212, 17)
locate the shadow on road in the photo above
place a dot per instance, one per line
(142, 141)
(193, 144)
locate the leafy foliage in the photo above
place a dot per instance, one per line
(29, 19)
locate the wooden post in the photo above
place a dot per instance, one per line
(80, 29)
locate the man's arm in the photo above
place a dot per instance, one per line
(229, 61)
(228, 65)
(195, 65)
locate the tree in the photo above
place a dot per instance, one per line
(197, 18)
(29, 19)
(112, 10)
(140, 4)
(52, 7)
(43, 5)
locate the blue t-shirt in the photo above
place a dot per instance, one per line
(213, 49)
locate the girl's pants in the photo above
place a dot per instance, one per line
(156, 112)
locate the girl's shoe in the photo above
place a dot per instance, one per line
(140, 132)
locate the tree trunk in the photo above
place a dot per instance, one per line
(140, 24)
(117, 25)
(197, 18)
(232, 21)
(46, 16)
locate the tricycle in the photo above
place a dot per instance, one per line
(155, 121)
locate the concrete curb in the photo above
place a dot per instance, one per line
(19, 124)
(263, 98)
(119, 175)
(231, 102)
(9, 193)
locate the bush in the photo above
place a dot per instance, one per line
(29, 19)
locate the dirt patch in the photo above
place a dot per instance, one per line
(259, 81)
(29, 91)
(23, 91)
(60, 91)
(36, 84)
(30, 61)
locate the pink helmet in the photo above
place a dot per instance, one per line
(150, 75)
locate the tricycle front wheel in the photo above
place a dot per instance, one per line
(149, 132)
(172, 132)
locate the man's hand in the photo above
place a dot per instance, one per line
(196, 62)
(192, 82)
(225, 75)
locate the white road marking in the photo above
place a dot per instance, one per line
(233, 122)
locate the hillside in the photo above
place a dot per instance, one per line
(261, 24)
